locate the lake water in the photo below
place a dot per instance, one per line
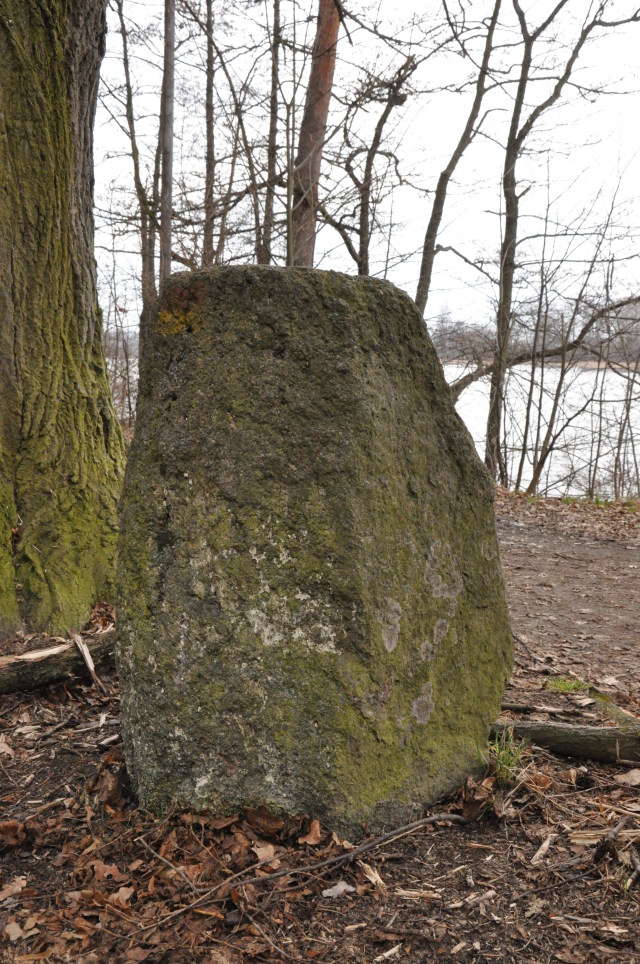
(596, 433)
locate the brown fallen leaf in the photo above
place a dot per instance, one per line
(122, 896)
(345, 844)
(13, 930)
(314, 836)
(13, 888)
(102, 871)
(221, 823)
(109, 787)
(138, 954)
(262, 820)
(263, 850)
(629, 779)
(538, 781)
(536, 907)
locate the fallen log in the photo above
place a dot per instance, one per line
(608, 744)
(29, 671)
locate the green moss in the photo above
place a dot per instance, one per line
(566, 685)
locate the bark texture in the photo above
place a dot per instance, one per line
(30, 671)
(605, 743)
(313, 131)
(310, 610)
(61, 453)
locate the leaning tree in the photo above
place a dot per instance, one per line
(61, 451)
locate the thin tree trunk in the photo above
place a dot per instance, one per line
(312, 134)
(61, 451)
(246, 143)
(437, 209)
(166, 138)
(147, 206)
(210, 157)
(264, 249)
(395, 98)
(493, 456)
(516, 140)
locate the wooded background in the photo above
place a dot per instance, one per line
(472, 152)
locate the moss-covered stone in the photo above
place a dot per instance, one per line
(311, 610)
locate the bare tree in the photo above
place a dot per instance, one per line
(147, 196)
(521, 125)
(468, 133)
(358, 158)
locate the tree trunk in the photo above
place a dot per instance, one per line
(210, 157)
(264, 248)
(312, 134)
(493, 455)
(440, 196)
(166, 138)
(61, 452)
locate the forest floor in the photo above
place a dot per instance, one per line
(86, 876)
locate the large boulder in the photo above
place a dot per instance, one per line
(311, 610)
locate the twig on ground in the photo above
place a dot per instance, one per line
(270, 942)
(518, 639)
(307, 869)
(172, 866)
(607, 844)
(635, 876)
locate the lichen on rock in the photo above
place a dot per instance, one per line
(311, 608)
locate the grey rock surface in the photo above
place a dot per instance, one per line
(311, 611)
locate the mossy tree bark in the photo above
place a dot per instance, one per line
(61, 452)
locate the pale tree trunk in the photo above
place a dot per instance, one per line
(148, 201)
(440, 196)
(210, 158)
(166, 138)
(264, 248)
(493, 456)
(312, 134)
(61, 452)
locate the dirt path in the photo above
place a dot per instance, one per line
(572, 573)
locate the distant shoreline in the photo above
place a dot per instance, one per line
(585, 364)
